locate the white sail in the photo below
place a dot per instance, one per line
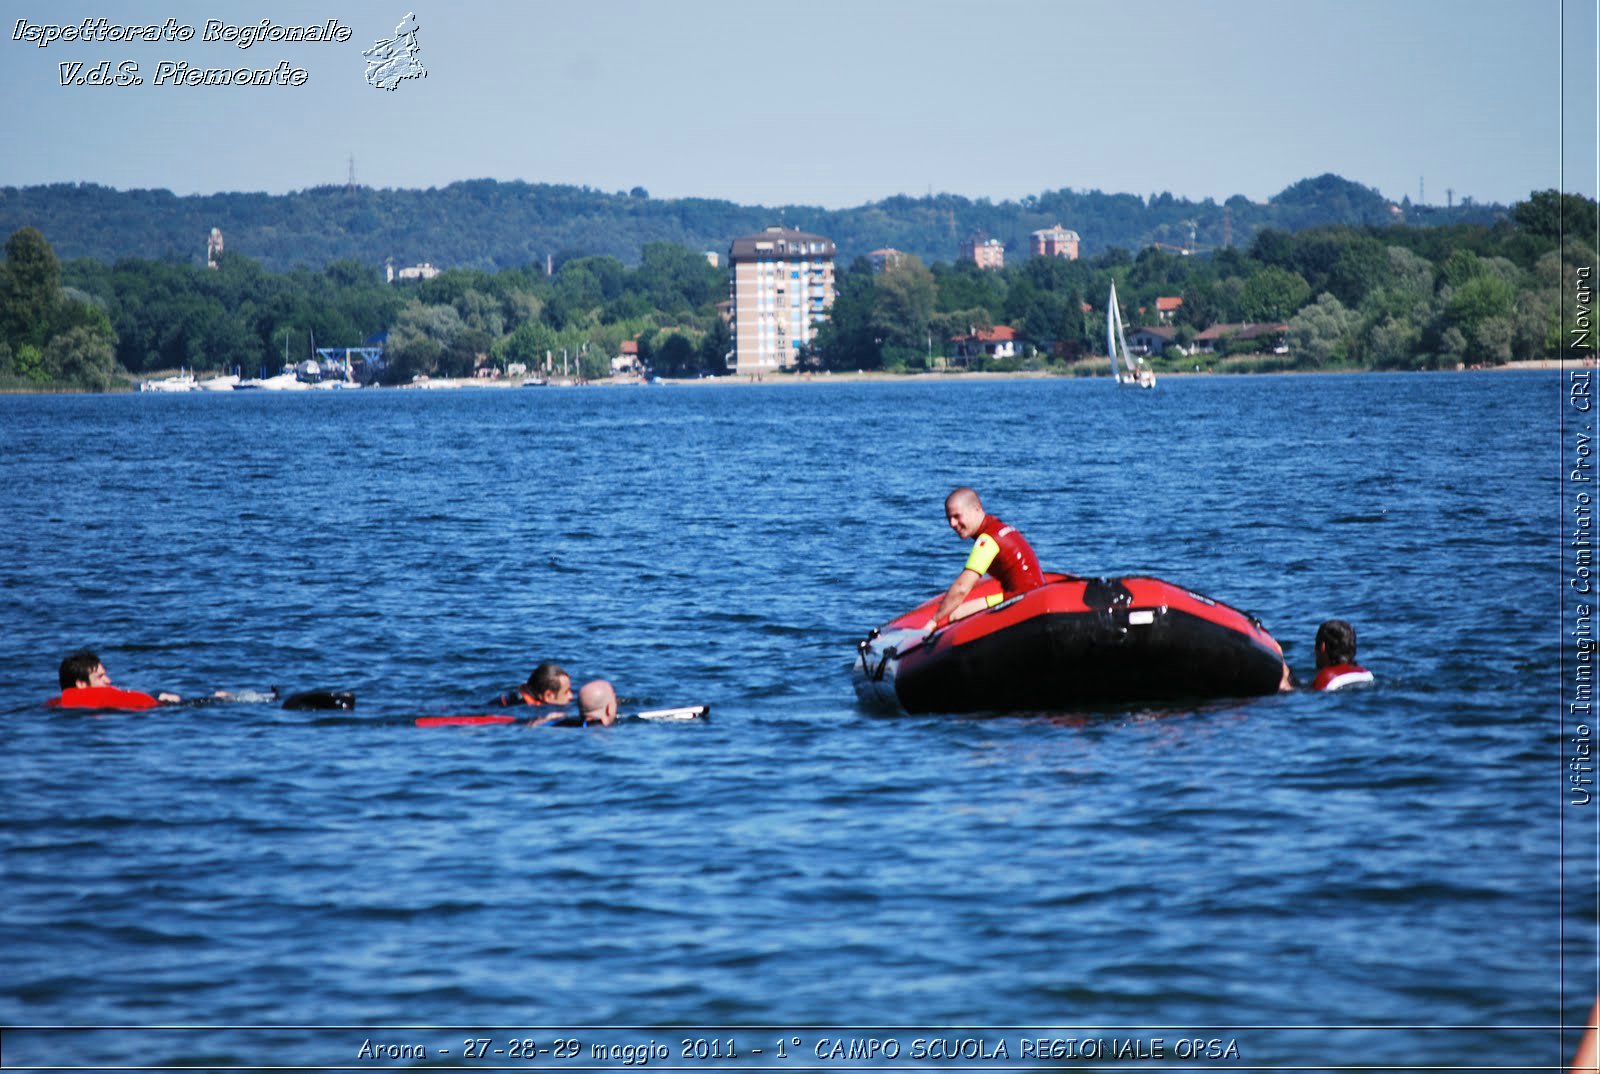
(1117, 344)
(1111, 338)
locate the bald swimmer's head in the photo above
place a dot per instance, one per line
(597, 703)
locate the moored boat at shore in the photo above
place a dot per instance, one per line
(287, 381)
(179, 382)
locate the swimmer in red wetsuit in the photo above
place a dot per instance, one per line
(85, 684)
(1000, 551)
(1336, 657)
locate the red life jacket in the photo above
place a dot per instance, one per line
(1014, 564)
(102, 697)
(1337, 676)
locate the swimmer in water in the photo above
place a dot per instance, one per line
(1336, 658)
(85, 684)
(548, 684)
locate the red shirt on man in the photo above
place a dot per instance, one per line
(1002, 552)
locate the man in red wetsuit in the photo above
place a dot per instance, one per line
(1336, 657)
(999, 550)
(86, 685)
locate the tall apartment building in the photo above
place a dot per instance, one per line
(985, 252)
(782, 291)
(1055, 242)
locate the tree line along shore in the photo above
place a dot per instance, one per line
(1340, 297)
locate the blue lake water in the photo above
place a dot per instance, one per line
(1382, 862)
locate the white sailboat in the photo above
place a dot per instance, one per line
(1128, 370)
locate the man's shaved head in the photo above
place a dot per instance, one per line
(597, 702)
(964, 511)
(961, 498)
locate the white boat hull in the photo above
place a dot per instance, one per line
(183, 382)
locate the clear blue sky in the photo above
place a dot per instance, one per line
(838, 102)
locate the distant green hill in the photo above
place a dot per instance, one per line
(491, 225)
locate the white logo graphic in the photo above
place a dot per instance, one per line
(391, 62)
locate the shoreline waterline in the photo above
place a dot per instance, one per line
(976, 377)
(858, 377)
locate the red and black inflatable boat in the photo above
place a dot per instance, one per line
(1068, 643)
